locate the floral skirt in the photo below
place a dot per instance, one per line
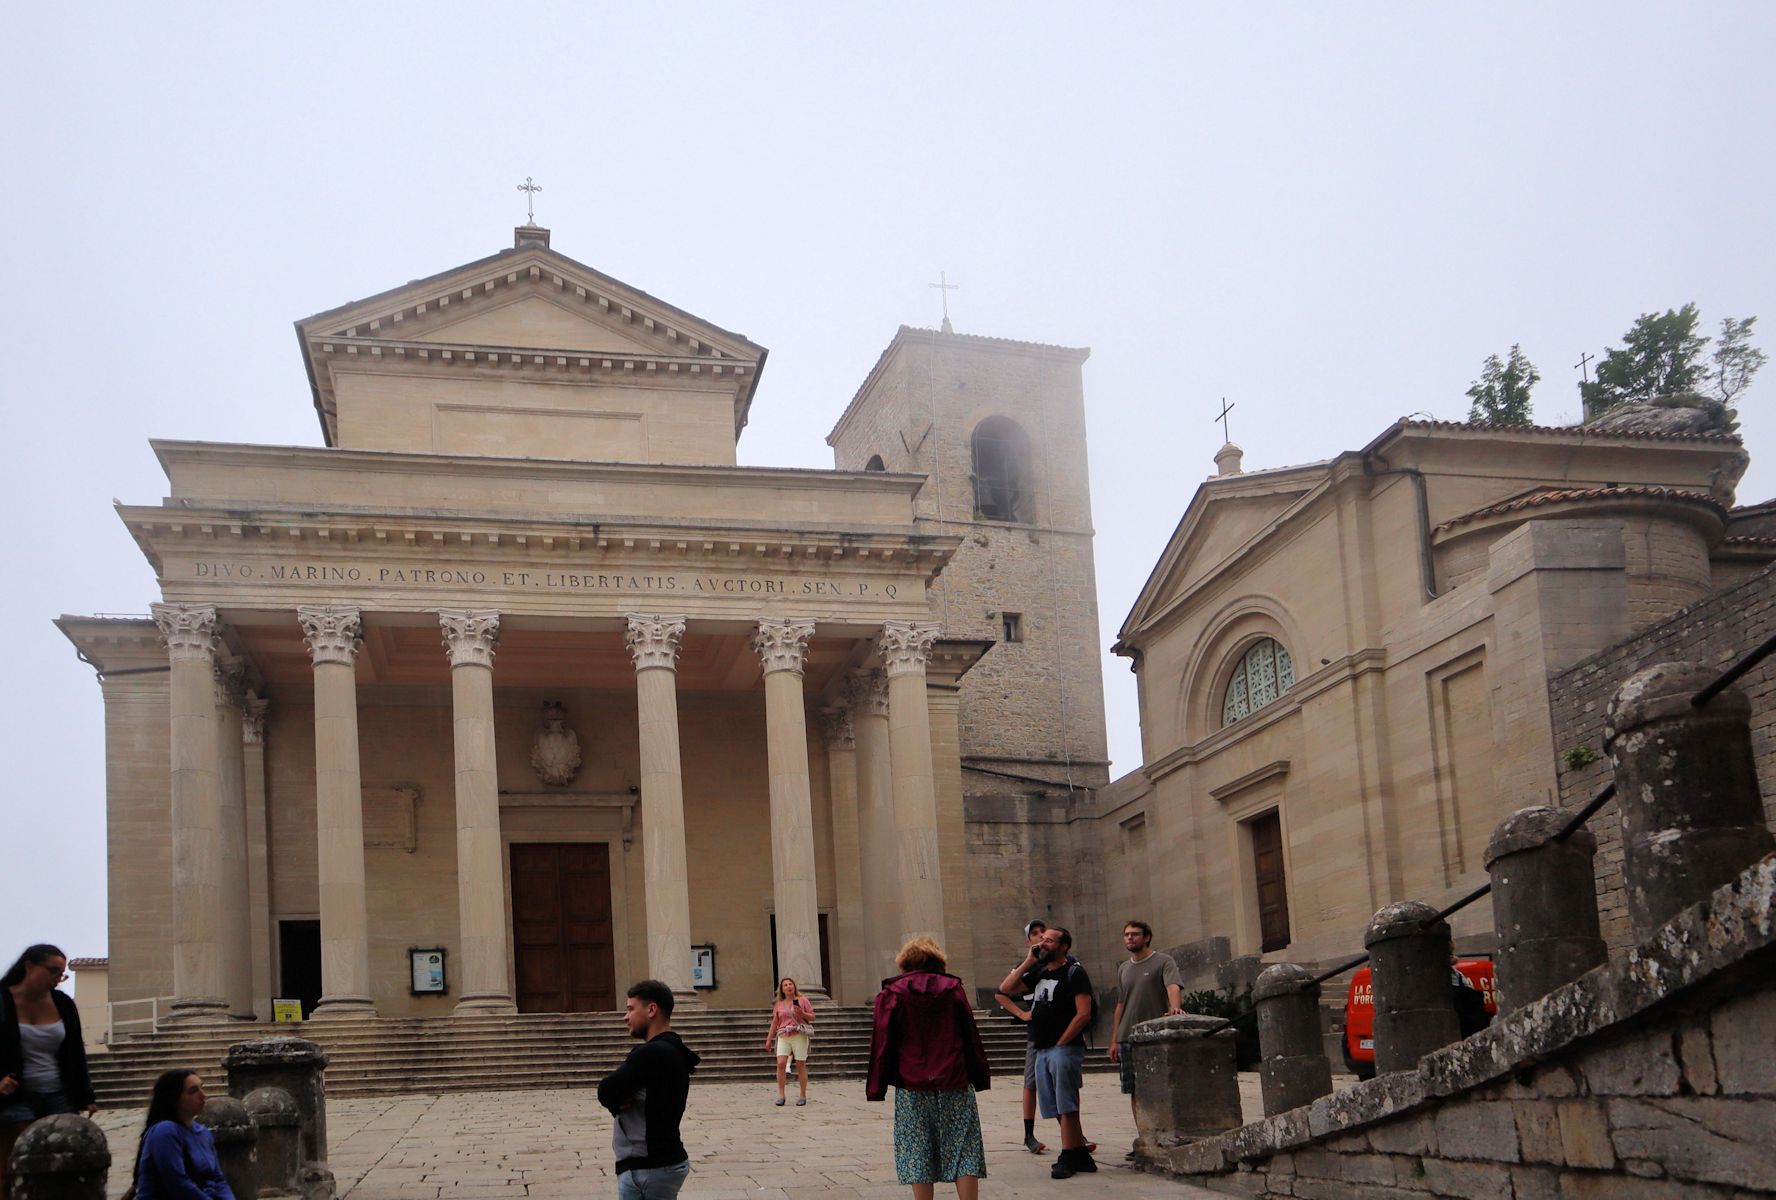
(937, 1136)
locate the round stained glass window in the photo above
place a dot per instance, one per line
(1265, 672)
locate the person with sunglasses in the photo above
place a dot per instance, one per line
(42, 1052)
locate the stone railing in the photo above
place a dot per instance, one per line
(270, 1133)
(1700, 865)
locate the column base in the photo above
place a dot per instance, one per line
(688, 1001)
(197, 1010)
(476, 1003)
(249, 1015)
(335, 1007)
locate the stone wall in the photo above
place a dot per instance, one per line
(1654, 1076)
(1714, 631)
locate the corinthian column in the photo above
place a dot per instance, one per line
(653, 644)
(258, 881)
(905, 647)
(237, 930)
(333, 635)
(851, 982)
(782, 646)
(470, 637)
(199, 992)
(867, 693)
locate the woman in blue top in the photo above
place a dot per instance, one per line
(176, 1158)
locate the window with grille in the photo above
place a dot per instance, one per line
(1264, 673)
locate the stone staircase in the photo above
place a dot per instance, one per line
(381, 1056)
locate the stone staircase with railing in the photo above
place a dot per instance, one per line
(380, 1056)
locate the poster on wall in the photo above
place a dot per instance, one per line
(428, 971)
(703, 966)
(286, 1011)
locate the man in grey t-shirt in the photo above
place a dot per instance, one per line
(1147, 986)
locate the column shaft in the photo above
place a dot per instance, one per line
(258, 858)
(237, 928)
(782, 646)
(906, 646)
(470, 638)
(333, 639)
(952, 846)
(853, 983)
(198, 986)
(653, 644)
(875, 819)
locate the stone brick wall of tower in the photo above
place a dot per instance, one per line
(1036, 706)
(1714, 631)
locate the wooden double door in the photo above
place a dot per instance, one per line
(562, 945)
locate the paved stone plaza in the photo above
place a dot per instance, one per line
(556, 1144)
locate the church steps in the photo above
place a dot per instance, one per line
(382, 1056)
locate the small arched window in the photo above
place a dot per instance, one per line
(1265, 672)
(875, 463)
(1001, 459)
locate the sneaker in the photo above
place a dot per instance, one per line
(1083, 1162)
(1063, 1166)
(1034, 1146)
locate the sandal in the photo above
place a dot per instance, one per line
(780, 1102)
(801, 1101)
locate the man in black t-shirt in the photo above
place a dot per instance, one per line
(1060, 1011)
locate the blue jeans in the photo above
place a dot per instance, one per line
(652, 1183)
(32, 1106)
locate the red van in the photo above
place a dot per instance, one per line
(1359, 1012)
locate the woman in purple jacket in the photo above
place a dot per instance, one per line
(925, 1043)
(176, 1157)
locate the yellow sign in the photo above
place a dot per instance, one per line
(286, 1010)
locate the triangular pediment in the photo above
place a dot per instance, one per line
(535, 322)
(1225, 518)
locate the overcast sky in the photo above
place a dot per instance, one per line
(1329, 215)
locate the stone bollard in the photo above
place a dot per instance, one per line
(237, 1141)
(299, 1068)
(274, 1111)
(1409, 963)
(63, 1157)
(1186, 1084)
(1544, 905)
(1295, 1070)
(1687, 790)
(317, 1182)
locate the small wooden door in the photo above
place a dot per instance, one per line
(1273, 894)
(561, 927)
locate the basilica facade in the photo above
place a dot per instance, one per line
(517, 688)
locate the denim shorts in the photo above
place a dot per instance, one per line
(32, 1106)
(1125, 1067)
(1058, 1071)
(1029, 1067)
(652, 1183)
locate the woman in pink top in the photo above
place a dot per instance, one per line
(792, 1019)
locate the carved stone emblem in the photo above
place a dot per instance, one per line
(555, 752)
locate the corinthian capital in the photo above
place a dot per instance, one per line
(782, 645)
(333, 633)
(867, 694)
(835, 728)
(231, 682)
(470, 635)
(653, 641)
(253, 710)
(189, 630)
(905, 646)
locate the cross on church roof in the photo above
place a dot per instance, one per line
(944, 288)
(530, 190)
(1222, 417)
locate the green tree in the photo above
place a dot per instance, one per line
(1501, 395)
(1659, 356)
(1736, 360)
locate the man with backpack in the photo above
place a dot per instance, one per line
(1061, 1012)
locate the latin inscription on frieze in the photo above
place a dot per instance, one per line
(656, 583)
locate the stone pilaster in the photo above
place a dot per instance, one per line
(852, 983)
(333, 635)
(237, 927)
(867, 694)
(782, 646)
(470, 638)
(199, 989)
(253, 711)
(653, 643)
(905, 648)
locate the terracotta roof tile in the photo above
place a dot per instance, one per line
(1543, 497)
(1570, 431)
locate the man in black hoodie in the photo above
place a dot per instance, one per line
(647, 1096)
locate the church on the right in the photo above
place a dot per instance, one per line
(1349, 671)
